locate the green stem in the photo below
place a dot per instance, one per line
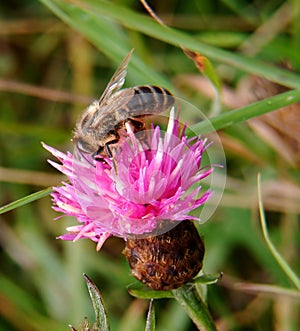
(245, 113)
(194, 307)
(25, 200)
(280, 260)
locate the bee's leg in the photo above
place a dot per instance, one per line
(108, 150)
(111, 139)
(137, 124)
(110, 154)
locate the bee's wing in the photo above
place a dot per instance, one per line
(117, 80)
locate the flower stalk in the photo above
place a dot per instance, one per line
(194, 306)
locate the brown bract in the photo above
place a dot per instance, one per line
(167, 261)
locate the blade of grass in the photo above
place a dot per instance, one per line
(25, 200)
(245, 113)
(138, 22)
(280, 260)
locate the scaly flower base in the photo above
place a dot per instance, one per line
(169, 260)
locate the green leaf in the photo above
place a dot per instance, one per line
(150, 323)
(141, 291)
(100, 312)
(211, 74)
(207, 279)
(206, 67)
(25, 200)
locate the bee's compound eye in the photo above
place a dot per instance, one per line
(84, 146)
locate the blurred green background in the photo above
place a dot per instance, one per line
(49, 73)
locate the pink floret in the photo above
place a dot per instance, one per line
(154, 181)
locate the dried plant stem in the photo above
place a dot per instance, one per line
(43, 92)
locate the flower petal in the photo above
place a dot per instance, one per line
(157, 178)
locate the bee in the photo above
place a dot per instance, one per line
(99, 128)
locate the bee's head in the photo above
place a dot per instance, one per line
(98, 149)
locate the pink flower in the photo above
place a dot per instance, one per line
(156, 179)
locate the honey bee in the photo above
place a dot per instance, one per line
(98, 129)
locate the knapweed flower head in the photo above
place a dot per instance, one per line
(155, 177)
